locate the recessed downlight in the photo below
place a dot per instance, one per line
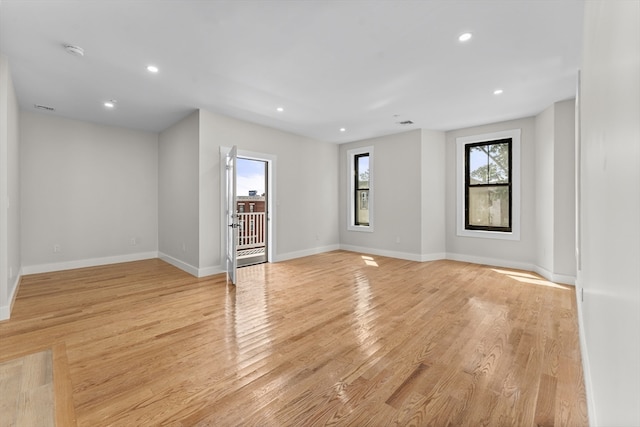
(110, 104)
(152, 69)
(464, 37)
(343, 129)
(498, 92)
(279, 109)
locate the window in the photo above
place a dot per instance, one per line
(361, 180)
(488, 186)
(361, 189)
(488, 190)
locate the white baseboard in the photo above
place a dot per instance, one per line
(90, 262)
(5, 313)
(586, 366)
(490, 261)
(180, 264)
(188, 268)
(433, 257)
(210, 271)
(5, 310)
(394, 254)
(306, 252)
(554, 277)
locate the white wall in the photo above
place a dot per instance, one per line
(10, 261)
(306, 211)
(408, 176)
(89, 189)
(609, 211)
(544, 166)
(555, 192)
(178, 194)
(564, 187)
(508, 253)
(433, 195)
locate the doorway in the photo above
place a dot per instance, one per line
(229, 209)
(252, 202)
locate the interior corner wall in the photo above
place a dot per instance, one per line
(564, 187)
(506, 253)
(88, 193)
(432, 195)
(555, 192)
(10, 260)
(609, 210)
(306, 181)
(178, 194)
(397, 186)
(544, 201)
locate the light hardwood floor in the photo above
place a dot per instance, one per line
(26, 391)
(333, 339)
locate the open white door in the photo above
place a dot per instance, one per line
(232, 216)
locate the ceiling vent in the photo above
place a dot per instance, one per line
(405, 122)
(74, 50)
(43, 107)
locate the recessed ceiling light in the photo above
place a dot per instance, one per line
(498, 92)
(110, 104)
(279, 109)
(152, 69)
(343, 129)
(465, 37)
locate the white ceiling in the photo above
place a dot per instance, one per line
(362, 65)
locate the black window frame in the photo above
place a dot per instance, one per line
(467, 185)
(357, 189)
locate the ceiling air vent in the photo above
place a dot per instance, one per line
(43, 107)
(405, 122)
(74, 50)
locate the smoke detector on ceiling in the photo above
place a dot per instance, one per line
(74, 50)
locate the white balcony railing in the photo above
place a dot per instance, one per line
(252, 230)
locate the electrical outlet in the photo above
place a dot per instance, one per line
(133, 241)
(57, 248)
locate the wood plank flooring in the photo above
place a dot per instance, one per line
(334, 339)
(26, 385)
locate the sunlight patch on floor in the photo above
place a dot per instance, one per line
(532, 279)
(26, 397)
(369, 261)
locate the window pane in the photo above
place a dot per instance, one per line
(362, 211)
(489, 206)
(363, 171)
(478, 169)
(498, 163)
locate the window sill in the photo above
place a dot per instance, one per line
(360, 228)
(483, 234)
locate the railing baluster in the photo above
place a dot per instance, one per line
(251, 234)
